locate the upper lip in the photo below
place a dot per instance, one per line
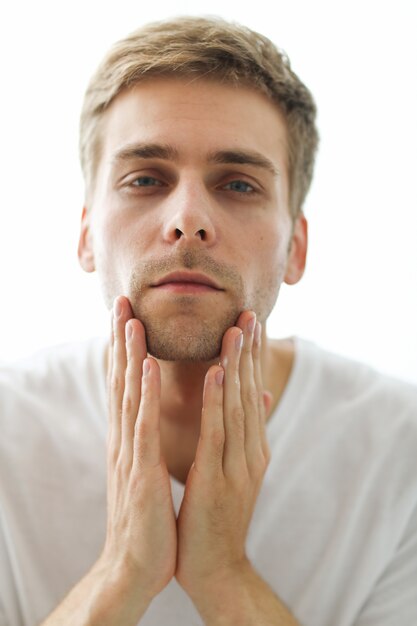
(187, 277)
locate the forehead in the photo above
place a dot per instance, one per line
(197, 117)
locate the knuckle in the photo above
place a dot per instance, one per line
(142, 429)
(238, 414)
(217, 438)
(141, 437)
(218, 402)
(113, 455)
(132, 363)
(127, 403)
(119, 469)
(122, 467)
(216, 441)
(251, 397)
(115, 383)
(238, 421)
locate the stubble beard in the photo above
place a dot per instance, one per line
(192, 328)
(194, 333)
(189, 335)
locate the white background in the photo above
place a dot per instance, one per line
(359, 59)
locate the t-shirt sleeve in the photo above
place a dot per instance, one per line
(393, 601)
(9, 606)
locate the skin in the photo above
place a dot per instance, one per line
(231, 221)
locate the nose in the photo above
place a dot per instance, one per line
(189, 215)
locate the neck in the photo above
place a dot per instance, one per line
(182, 395)
(182, 400)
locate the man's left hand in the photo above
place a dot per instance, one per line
(231, 459)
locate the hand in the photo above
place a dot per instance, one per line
(231, 459)
(141, 541)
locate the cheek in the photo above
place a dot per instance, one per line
(116, 239)
(266, 269)
(271, 251)
(107, 243)
(110, 250)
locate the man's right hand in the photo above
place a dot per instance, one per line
(139, 556)
(141, 541)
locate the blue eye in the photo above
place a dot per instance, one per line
(145, 181)
(240, 186)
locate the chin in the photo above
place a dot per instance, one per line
(187, 336)
(184, 329)
(184, 347)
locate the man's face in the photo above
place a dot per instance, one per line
(193, 178)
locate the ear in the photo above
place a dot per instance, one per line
(85, 244)
(297, 256)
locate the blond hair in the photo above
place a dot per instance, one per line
(215, 49)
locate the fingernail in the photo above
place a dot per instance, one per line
(129, 331)
(219, 377)
(239, 341)
(117, 309)
(251, 324)
(146, 367)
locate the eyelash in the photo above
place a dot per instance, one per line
(241, 182)
(144, 178)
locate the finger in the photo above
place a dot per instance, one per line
(210, 448)
(121, 313)
(234, 457)
(147, 439)
(109, 373)
(249, 395)
(257, 347)
(136, 353)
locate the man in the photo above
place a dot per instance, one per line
(249, 481)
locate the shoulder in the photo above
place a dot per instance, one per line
(63, 376)
(354, 428)
(63, 361)
(349, 405)
(347, 381)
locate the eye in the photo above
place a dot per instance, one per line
(146, 181)
(240, 186)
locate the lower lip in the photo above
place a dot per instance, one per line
(188, 288)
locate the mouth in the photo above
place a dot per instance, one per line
(187, 283)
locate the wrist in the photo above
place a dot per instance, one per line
(241, 597)
(227, 588)
(125, 575)
(118, 597)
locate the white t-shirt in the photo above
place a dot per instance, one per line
(334, 531)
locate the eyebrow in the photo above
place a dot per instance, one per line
(169, 153)
(146, 151)
(244, 157)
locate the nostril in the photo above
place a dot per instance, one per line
(202, 233)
